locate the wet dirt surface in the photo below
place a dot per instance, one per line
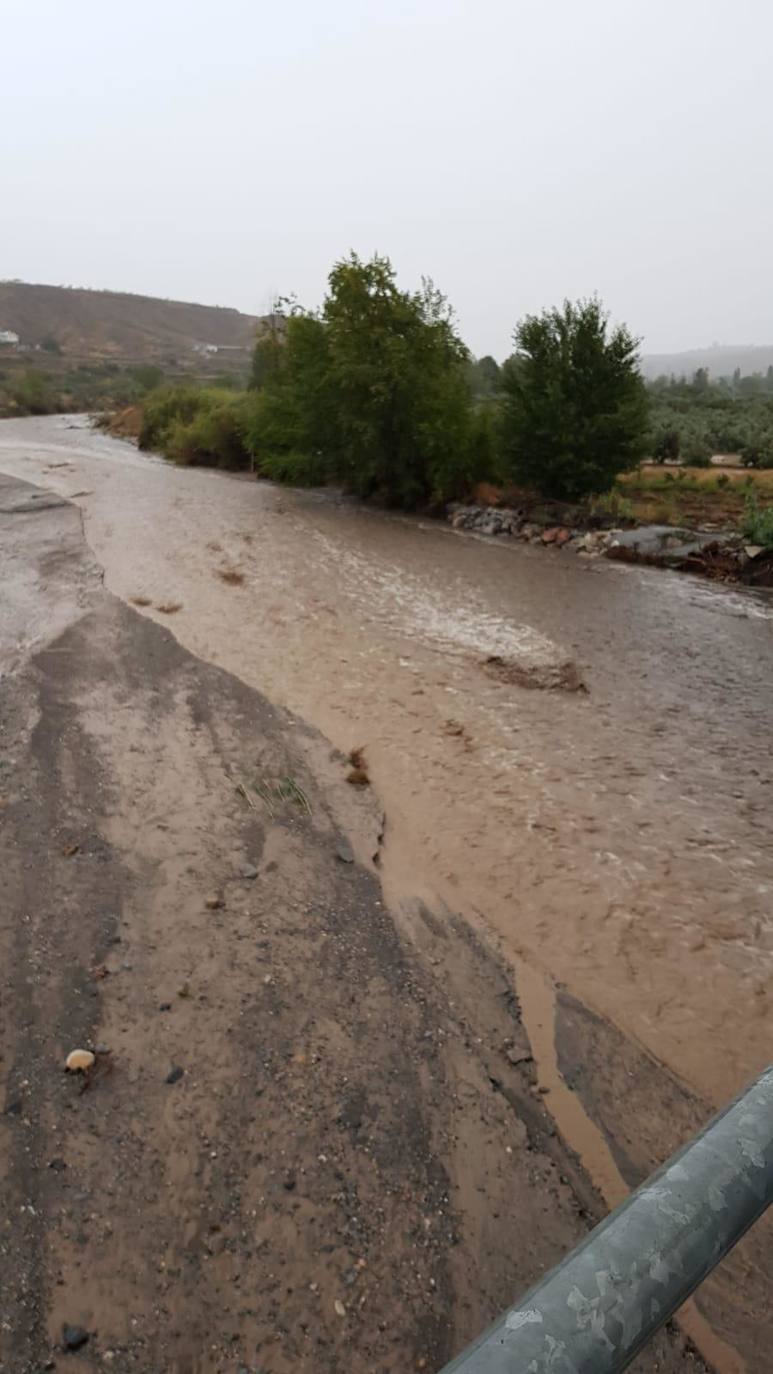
(616, 842)
(290, 1154)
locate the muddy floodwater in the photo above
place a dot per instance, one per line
(614, 842)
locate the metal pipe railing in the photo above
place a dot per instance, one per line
(596, 1310)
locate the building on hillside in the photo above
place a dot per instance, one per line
(9, 337)
(205, 348)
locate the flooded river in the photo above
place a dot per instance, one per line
(614, 842)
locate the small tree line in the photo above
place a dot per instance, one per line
(377, 391)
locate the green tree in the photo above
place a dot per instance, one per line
(575, 412)
(50, 344)
(373, 391)
(485, 377)
(398, 375)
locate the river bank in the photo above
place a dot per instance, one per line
(724, 557)
(612, 845)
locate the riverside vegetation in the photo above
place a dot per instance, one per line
(377, 392)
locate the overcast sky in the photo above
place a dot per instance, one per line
(516, 152)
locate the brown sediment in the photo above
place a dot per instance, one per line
(620, 843)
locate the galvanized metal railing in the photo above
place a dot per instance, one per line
(595, 1312)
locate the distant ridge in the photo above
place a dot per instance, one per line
(721, 360)
(118, 325)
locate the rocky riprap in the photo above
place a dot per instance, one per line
(494, 520)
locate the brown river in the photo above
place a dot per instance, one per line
(615, 842)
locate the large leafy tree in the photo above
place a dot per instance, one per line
(397, 371)
(575, 412)
(374, 387)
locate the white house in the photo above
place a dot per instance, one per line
(7, 336)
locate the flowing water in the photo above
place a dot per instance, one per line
(617, 841)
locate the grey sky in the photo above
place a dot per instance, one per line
(516, 152)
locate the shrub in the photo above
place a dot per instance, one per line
(31, 394)
(162, 408)
(196, 425)
(212, 438)
(757, 526)
(696, 451)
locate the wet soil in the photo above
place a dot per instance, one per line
(306, 1137)
(588, 840)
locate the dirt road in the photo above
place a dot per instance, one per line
(358, 1122)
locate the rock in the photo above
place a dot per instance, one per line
(550, 536)
(515, 1055)
(753, 550)
(175, 1074)
(58, 1165)
(344, 852)
(288, 1183)
(14, 1108)
(563, 536)
(165, 1006)
(339, 1308)
(79, 1061)
(248, 871)
(73, 1337)
(214, 902)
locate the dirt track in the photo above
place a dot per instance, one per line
(317, 1022)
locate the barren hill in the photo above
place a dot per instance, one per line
(115, 324)
(721, 360)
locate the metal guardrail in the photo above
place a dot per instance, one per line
(600, 1306)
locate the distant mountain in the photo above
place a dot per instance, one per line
(114, 325)
(721, 361)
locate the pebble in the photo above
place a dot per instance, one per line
(73, 1337)
(78, 1061)
(175, 1074)
(248, 871)
(345, 853)
(214, 903)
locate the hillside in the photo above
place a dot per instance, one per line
(721, 361)
(117, 325)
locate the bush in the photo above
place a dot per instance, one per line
(31, 394)
(757, 526)
(162, 408)
(575, 411)
(696, 451)
(196, 425)
(212, 438)
(293, 468)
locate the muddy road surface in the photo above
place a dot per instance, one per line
(546, 964)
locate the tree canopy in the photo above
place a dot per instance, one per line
(375, 385)
(575, 409)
